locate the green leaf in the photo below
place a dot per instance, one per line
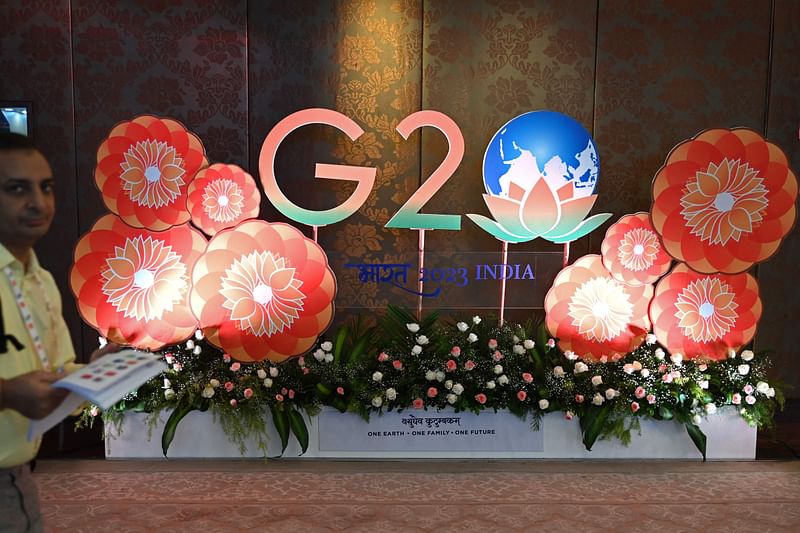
(172, 424)
(665, 413)
(281, 420)
(358, 349)
(698, 437)
(298, 425)
(594, 424)
(338, 344)
(324, 389)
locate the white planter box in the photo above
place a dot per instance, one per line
(428, 434)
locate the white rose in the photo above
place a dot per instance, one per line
(439, 376)
(448, 384)
(628, 368)
(515, 339)
(696, 419)
(747, 355)
(490, 385)
(597, 399)
(711, 408)
(611, 394)
(762, 387)
(580, 367)
(169, 394)
(731, 354)
(498, 369)
(391, 394)
(570, 355)
(377, 401)
(190, 344)
(750, 399)
(167, 384)
(327, 346)
(422, 339)
(377, 376)
(702, 368)
(458, 388)
(413, 327)
(597, 380)
(645, 373)
(770, 392)
(528, 344)
(676, 358)
(273, 372)
(518, 349)
(703, 384)
(659, 353)
(558, 372)
(650, 339)
(743, 369)
(319, 354)
(451, 398)
(543, 404)
(503, 380)
(208, 392)
(462, 326)
(214, 383)
(476, 320)
(416, 350)
(261, 373)
(268, 383)
(472, 337)
(328, 357)
(102, 341)
(637, 365)
(430, 375)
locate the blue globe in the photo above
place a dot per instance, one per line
(541, 145)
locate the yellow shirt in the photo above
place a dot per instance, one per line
(39, 289)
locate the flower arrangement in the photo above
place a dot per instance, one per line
(473, 365)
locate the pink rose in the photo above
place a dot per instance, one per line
(662, 367)
(248, 393)
(748, 389)
(340, 391)
(736, 399)
(521, 395)
(492, 344)
(497, 356)
(675, 374)
(94, 411)
(634, 407)
(397, 364)
(551, 343)
(640, 392)
(306, 370)
(432, 392)
(291, 394)
(469, 365)
(666, 378)
(226, 358)
(651, 398)
(569, 415)
(604, 359)
(418, 403)
(301, 361)
(451, 365)
(228, 386)
(579, 398)
(383, 357)
(455, 351)
(234, 403)
(279, 397)
(235, 367)
(527, 377)
(480, 398)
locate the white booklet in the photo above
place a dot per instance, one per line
(103, 383)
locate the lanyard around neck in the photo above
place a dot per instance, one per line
(27, 317)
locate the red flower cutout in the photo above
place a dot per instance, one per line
(143, 169)
(702, 316)
(263, 291)
(724, 200)
(595, 315)
(632, 251)
(132, 285)
(221, 196)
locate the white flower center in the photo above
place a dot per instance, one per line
(143, 279)
(724, 201)
(706, 309)
(152, 174)
(600, 309)
(262, 294)
(223, 200)
(638, 249)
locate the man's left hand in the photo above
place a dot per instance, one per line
(111, 347)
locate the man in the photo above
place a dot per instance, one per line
(36, 339)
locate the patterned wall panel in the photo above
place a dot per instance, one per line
(35, 66)
(778, 276)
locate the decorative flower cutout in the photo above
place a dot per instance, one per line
(724, 200)
(703, 316)
(132, 285)
(263, 291)
(595, 315)
(221, 196)
(632, 251)
(144, 168)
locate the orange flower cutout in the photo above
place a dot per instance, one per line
(132, 285)
(143, 169)
(724, 200)
(632, 251)
(221, 196)
(263, 291)
(595, 315)
(703, 316)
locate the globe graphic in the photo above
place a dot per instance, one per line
(541, 145)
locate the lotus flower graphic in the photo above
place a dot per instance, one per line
(540, 171)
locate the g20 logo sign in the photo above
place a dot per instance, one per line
(540, 171)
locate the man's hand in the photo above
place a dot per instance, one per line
(31, 394)
(100, 352)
